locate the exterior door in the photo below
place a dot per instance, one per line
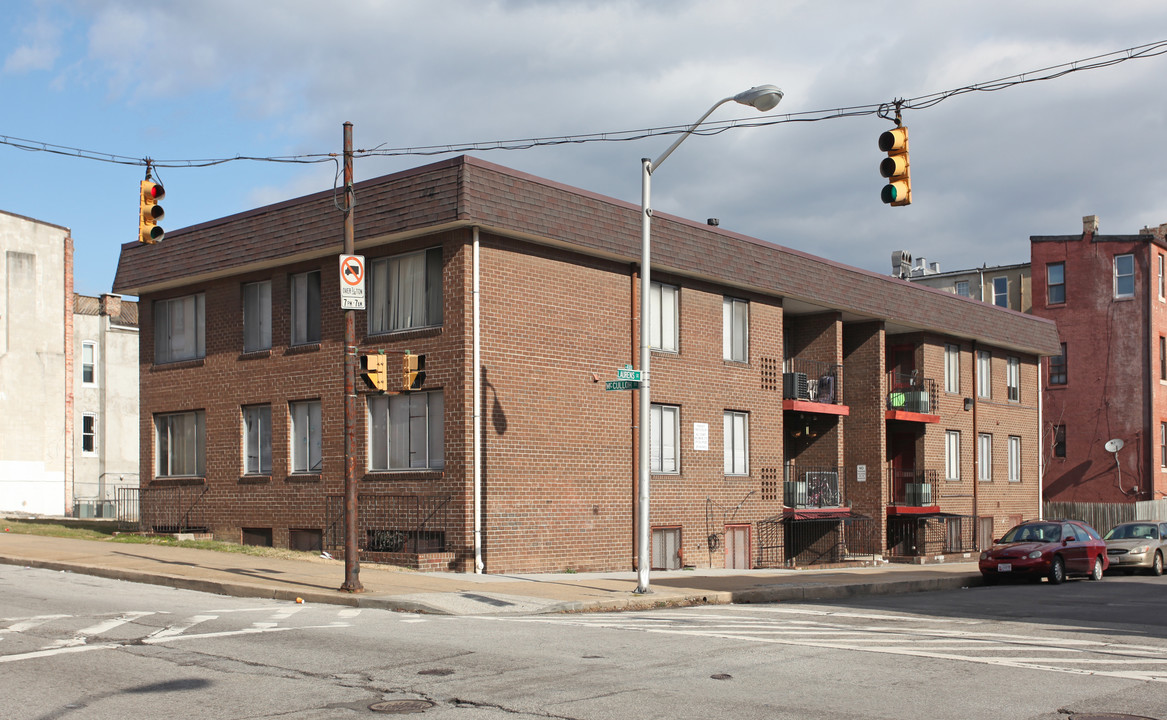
(737, 547)
(985, 536)
(666, 544)
(901, 455)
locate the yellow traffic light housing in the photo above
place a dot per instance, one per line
(150, 212)
(413, 371)
(375, 372)
(895, 167)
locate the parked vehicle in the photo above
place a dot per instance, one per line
(1053, 549)
(1137, 546)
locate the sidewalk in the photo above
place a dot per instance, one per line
(317, 580)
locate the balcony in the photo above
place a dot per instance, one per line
(813, 386)
(913, 491)
(911, 397)
(811, 487)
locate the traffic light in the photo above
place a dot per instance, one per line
(413, 367)
(150, 212)
(895, 167)
(374, 371)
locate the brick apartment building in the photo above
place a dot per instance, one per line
(804, 411)
(1108, 296)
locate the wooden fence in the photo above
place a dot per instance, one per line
(1103, 516)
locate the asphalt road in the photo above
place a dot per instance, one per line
(80, 647)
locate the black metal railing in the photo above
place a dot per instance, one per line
(913, 536)
(411, 524)
(798, 542)
(911, 393)
(811, 486)
(812, 380)
(171, 509)
(913, 488)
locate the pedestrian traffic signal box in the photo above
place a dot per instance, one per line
(895, 167)
(150, 212)
(374, 371)
(413, 367)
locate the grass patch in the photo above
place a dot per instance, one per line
(76, 529)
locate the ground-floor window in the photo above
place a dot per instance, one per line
(307, 436)
(180, 444)
(405, 431)
(666, 549)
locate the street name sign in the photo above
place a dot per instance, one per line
(622, 385)
(626, 373)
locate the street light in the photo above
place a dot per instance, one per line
(764, 98)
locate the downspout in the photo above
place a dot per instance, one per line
(976, 441)
(477, 390)
(1040, 445)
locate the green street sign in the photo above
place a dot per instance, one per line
(621, 385)
(628, 374)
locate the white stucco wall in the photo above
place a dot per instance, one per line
(32, 366)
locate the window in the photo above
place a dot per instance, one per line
(305, 309)
(1013, 379)
(1001, 292)
(1057, 368)
(663, 319)
(1163, 444)
(985, 457)
(952, 368)
(88, 353)
(306, 436)
(179, 329)
(181, 444)
(961, 288)
(735, 319)
(1055, 283)
(1124, 276)
(1162, 281)
(952, 455)
(1014, 458)
(89, 433)
(257, 316)
(984, 373)
(1162, 358)
(406, 291)
(737, 452)
(665, 429)
(1059, 436)
(257, 440)
(406, 431)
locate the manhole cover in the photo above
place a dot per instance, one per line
(401, 707)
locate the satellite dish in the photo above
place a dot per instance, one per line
(1113, 445)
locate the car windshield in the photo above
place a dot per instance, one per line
(1036, 532)
(1134, 531)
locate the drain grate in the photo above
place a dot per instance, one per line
(401, 707)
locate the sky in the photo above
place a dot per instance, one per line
(107, 83)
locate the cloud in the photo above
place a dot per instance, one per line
(38, 50)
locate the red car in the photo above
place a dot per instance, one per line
(1054, 549)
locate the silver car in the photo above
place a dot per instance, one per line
(1137, 546)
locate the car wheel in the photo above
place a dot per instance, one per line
(1057, 571)
(1096, 573)
(1157, 565)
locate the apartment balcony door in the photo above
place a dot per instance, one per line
(901, 455)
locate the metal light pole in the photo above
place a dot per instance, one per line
(764, 98)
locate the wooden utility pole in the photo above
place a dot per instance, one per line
(352, 562)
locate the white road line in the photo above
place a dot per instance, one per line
(231, 633)
(55, 651)
(23, 624)
(82, 636)
(173, 630)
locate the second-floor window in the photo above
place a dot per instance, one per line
(1162, 280)
(179, 329)
(257, 316)
(985, 461)
(737, 441)
(88, 363)
(1055, 283)
(1162, 358)
(1163, 444)
(735, 323)
(663, 321)
(406, 291)
(1013, 379)
(961, 288)
(1057, 368)
(89, 433)
(984, 373)
(952, 368)
(665, 428)
(1124, 276)
(1014, 458)
(1001, 292)
(952, 455)
(305, 308)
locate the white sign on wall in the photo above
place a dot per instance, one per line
(700, 436)
(860, 473)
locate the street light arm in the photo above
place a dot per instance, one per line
(687, 133)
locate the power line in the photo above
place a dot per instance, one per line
(921, 102)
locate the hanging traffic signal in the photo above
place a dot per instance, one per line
(413, 375)
(150, 212)
(374, 371)
(895, 167)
